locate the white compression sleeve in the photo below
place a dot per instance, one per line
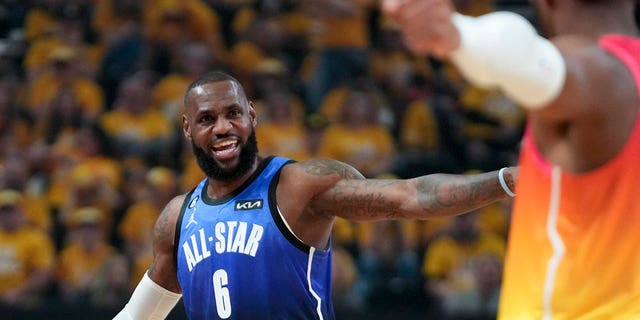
(502, 49)
(149, 301)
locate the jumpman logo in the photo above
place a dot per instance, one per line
(192, 220)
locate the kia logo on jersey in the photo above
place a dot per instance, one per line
(248, 204)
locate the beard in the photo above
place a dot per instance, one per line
(248, 155)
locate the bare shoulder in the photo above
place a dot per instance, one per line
(302, 196)
(591, 120)
(165, 226)
(309, 179)
(593, 78)
(317, 174)
(323, 167)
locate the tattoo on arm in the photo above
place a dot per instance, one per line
(161, 234)
(352, 196)
(456, 194)
(366, 201)
(163, 230)
(436, 195)
(325, 167)
(163, 264)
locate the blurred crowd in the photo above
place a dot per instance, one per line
(91, 143)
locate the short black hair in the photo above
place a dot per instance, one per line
(209, 77)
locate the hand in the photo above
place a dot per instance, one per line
(426, 25)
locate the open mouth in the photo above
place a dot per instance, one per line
(225, 149)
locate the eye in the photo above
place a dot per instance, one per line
(235, 113)
(205, 118)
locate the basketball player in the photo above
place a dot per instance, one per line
(252, 240)
(573, 246)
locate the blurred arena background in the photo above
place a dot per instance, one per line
(91, 146)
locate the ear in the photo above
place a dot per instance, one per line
(252, 114)
(186, 127)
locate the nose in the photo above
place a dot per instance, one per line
(222, 126)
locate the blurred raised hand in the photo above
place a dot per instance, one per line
(426, 25)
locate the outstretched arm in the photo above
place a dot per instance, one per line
(158, 291)
(431, 196)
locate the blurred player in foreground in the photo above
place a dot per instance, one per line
(572, 250)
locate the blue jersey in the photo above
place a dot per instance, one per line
(236, 257)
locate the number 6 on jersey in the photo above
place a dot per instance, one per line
(221, 293)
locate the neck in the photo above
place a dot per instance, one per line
(220, 188)
(596, 20)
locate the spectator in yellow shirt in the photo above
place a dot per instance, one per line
(83, 153)
(264, 40)
(83, 255)
(342, 43)
(110, 285)
(88, 189)
(294, 22)
(359, 139)
(63, 73)
(69, 29)
(136, 226)
(136, 129)
(172, 23)
(40, 19)
(16, 174)
(283, 133)
(389, 264)
(26, 255)
(167, 95)
(113, 19)
(345, 275)
(389, 52)
(463, 268)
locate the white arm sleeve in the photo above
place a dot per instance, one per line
(149, 301)
(503, 50)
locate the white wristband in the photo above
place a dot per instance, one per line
(148, 301)
(503, 183)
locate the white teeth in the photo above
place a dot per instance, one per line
(223, 152)
(224, 144)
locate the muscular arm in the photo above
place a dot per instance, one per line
(162, 271)
(425, 197)
(350, 196)
(158, 291)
